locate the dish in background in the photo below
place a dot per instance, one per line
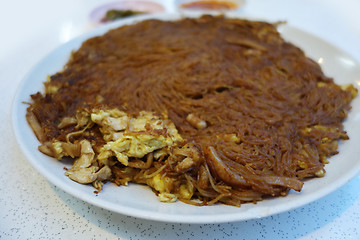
(120, 9)
(209, 5)
(139, 201)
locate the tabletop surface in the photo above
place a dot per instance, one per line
(33, 208)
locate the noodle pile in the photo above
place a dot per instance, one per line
(256, 116)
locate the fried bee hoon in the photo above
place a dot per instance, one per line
(202, 110)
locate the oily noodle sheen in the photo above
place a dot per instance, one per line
(261, 115)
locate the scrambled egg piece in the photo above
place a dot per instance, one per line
(137, 136)
(168, 188)
(126, 137)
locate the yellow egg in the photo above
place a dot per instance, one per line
(128, 136)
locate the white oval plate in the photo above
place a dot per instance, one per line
(139, 201)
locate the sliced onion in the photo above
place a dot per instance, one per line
(222, 170)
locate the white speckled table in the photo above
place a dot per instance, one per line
(32, 208)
